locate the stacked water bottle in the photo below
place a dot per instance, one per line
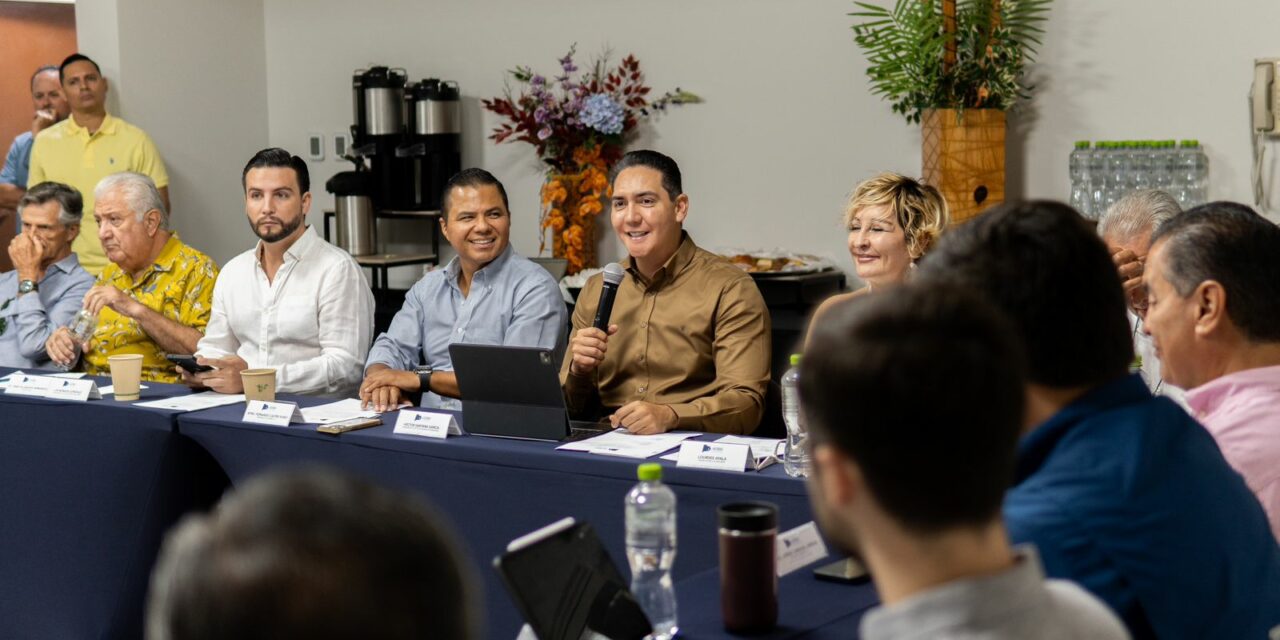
(1103, 174)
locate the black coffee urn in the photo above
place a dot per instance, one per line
(378, 101)
(432, 150)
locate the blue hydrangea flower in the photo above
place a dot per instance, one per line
(601, 113)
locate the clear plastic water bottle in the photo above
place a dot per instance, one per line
(1078, 168)
(1140, 165)
(651, 548)
(1161, 165)
(1126, 154)
(795, 461)
(1199, 173)
(1185, 174)
(1117, 173)
(81, 327)
(1097, 179)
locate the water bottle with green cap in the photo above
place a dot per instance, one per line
(796, 459)
(651, 548)
(1078, 165)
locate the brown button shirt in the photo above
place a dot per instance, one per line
(695, 337)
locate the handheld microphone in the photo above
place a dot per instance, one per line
(613, 275)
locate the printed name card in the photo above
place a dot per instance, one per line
(277, 414)
(799, 547)
(430, 424)
(53, 388)
(714, 455)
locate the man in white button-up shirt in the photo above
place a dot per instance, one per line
(294, 302)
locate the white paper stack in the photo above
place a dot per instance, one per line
(193, 402)
(620, 442)
(336, 412)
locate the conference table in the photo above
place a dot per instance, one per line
(91, 488)
(87, 490)
(495, 490)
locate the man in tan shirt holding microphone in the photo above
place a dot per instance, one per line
(688, 339)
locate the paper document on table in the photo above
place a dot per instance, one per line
(193, 402)
(764, 451)
(70, 375)
(620, 442)
(336, 412)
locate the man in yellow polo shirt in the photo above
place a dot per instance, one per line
(89, 146)
(156, 294)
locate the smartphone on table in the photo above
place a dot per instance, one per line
(188, 363)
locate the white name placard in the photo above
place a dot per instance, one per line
(713, 455)
(278, 414)
(52, 388)
(799, 547)
(430, 424)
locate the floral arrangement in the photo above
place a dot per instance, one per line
(579, 125)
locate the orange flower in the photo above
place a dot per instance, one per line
(584, 156)
(589, 207)
(571, 203)
(554, 191)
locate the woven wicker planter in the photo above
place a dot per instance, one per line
(964, 158)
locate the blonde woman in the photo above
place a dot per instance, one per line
(892, 221)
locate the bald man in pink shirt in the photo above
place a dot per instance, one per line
(1213, 282)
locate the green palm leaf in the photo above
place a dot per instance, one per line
(904, 46)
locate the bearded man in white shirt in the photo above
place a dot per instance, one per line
(294, 303)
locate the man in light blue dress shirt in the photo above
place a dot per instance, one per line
(51, 108)
(488, 294)
(46, 287)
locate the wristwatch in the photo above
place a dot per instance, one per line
(424, 377)
(27, 286)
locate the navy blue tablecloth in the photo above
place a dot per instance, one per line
(87, 490)
(807, 607)
(494, 490)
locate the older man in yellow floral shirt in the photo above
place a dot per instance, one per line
(155, 296)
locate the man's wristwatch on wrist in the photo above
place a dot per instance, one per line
(27, 286)
(424, 377)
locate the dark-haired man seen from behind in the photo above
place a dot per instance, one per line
(314, 554)
(89, 146)
(294, 302)
(47, 285)
(1120, 491)
(487, 294)
(688, 341)
(1214, 313)
(912, 485)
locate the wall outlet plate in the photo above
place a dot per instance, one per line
(315, 147)
(341, 143)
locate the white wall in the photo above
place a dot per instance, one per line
(788, 128)
(191, 74)
(1146, 69)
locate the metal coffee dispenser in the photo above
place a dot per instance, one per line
(378, 101)
(432, 151)
(356, 224)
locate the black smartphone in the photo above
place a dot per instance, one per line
(848, 571)
(188, 363)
